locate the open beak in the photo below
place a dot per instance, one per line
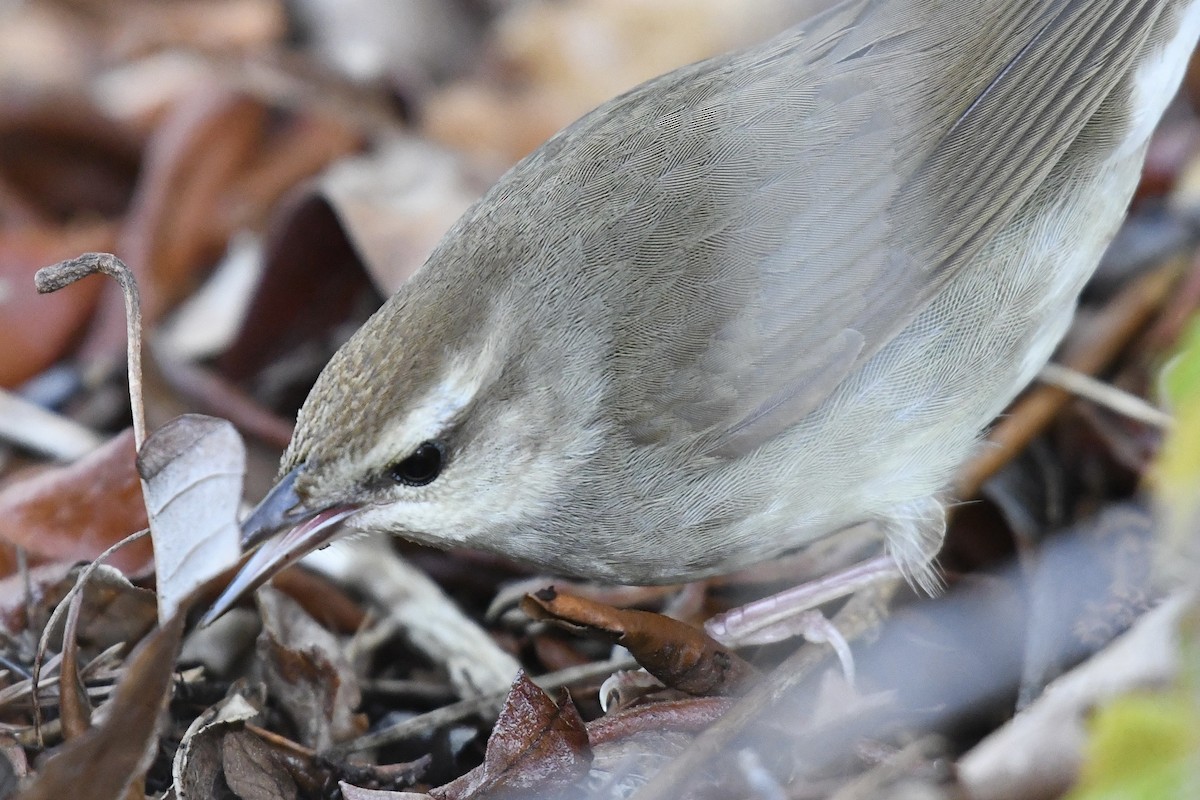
(284, 531)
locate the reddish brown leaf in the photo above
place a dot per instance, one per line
(299, 151)
(65, 159)
(173, 231)
(321, 599)
(37, 330)
(313, 281)
(77, 511)
(537, 744)
(73, 706)
(112, 755)
(679, 655)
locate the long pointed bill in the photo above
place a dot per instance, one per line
(303, 532)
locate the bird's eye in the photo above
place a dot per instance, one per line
(422, 467)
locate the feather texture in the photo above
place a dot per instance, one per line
(760, 298)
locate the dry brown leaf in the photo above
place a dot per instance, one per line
(358, 793)
(308, 673)
(196, 769)
(64, 160)
(681, 656)
(74, 709)
(385, 775)
(212, 25)
(21, 593)
(75, 512)
(683, 716)
(556, 61)
(252, 770)
(190, 162)
(214, 166)
(112, 755)
(313, 281)
(114, 610)
(538, 745)
(299, 150)
(321, 599)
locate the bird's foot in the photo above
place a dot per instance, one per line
(794, 612)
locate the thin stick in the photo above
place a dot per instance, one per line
(1104, 395)
(52, 278)
(44, 642)
(432, 720)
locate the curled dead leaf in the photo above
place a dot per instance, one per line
(679, 655)
(308, 673)
(537, 744)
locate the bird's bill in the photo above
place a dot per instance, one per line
(285, 532)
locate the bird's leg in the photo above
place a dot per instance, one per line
(791, 612)
(914, 533)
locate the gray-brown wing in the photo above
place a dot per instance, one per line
(811, 195)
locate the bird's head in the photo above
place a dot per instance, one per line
(430, 423)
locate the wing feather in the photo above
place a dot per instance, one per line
(827, 202)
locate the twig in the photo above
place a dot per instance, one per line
(52, 278)
(282, 742)
(423, 723)
(29, 425)
(60, 609)
(1104, 395)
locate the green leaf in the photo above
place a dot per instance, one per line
(1177, 475)
(1143, 747)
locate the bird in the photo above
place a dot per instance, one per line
(747, 304)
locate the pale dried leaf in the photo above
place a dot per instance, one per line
(396, 203)
(192, 470)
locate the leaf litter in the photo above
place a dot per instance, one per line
(186, 136)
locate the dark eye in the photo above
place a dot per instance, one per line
(422, 467)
